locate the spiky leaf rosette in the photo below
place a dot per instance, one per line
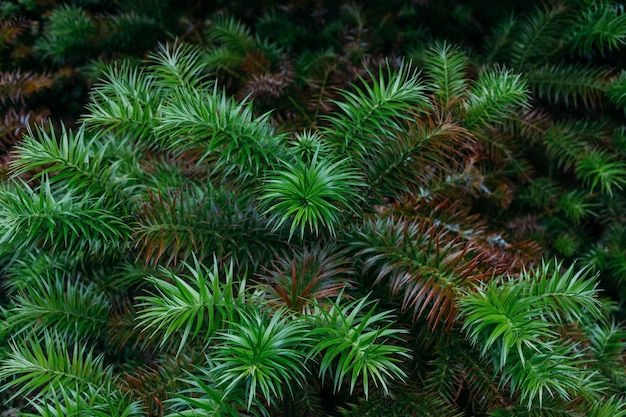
(262, 353)
(315, 196)
(355, 345)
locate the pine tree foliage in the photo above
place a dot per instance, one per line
(70, 308)
(615, 90)
(557, 46)
(599, 28)
(265, 354)
(314, 274)
(315, 195)
(406, 403)
(41, 365)
(259, 225)
(364, 358)
(509, 331)
(77, 166)
(69, 31)
(181, 307)
(72, 31)
(49, 39)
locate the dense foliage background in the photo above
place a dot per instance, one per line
(312, 208)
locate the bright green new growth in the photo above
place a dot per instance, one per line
(186, 303)
(313, 195)
(518, 324)
(351, 336)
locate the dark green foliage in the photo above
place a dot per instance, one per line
(575, 166)
(279, 213)
(70, 34)
(406, 403)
